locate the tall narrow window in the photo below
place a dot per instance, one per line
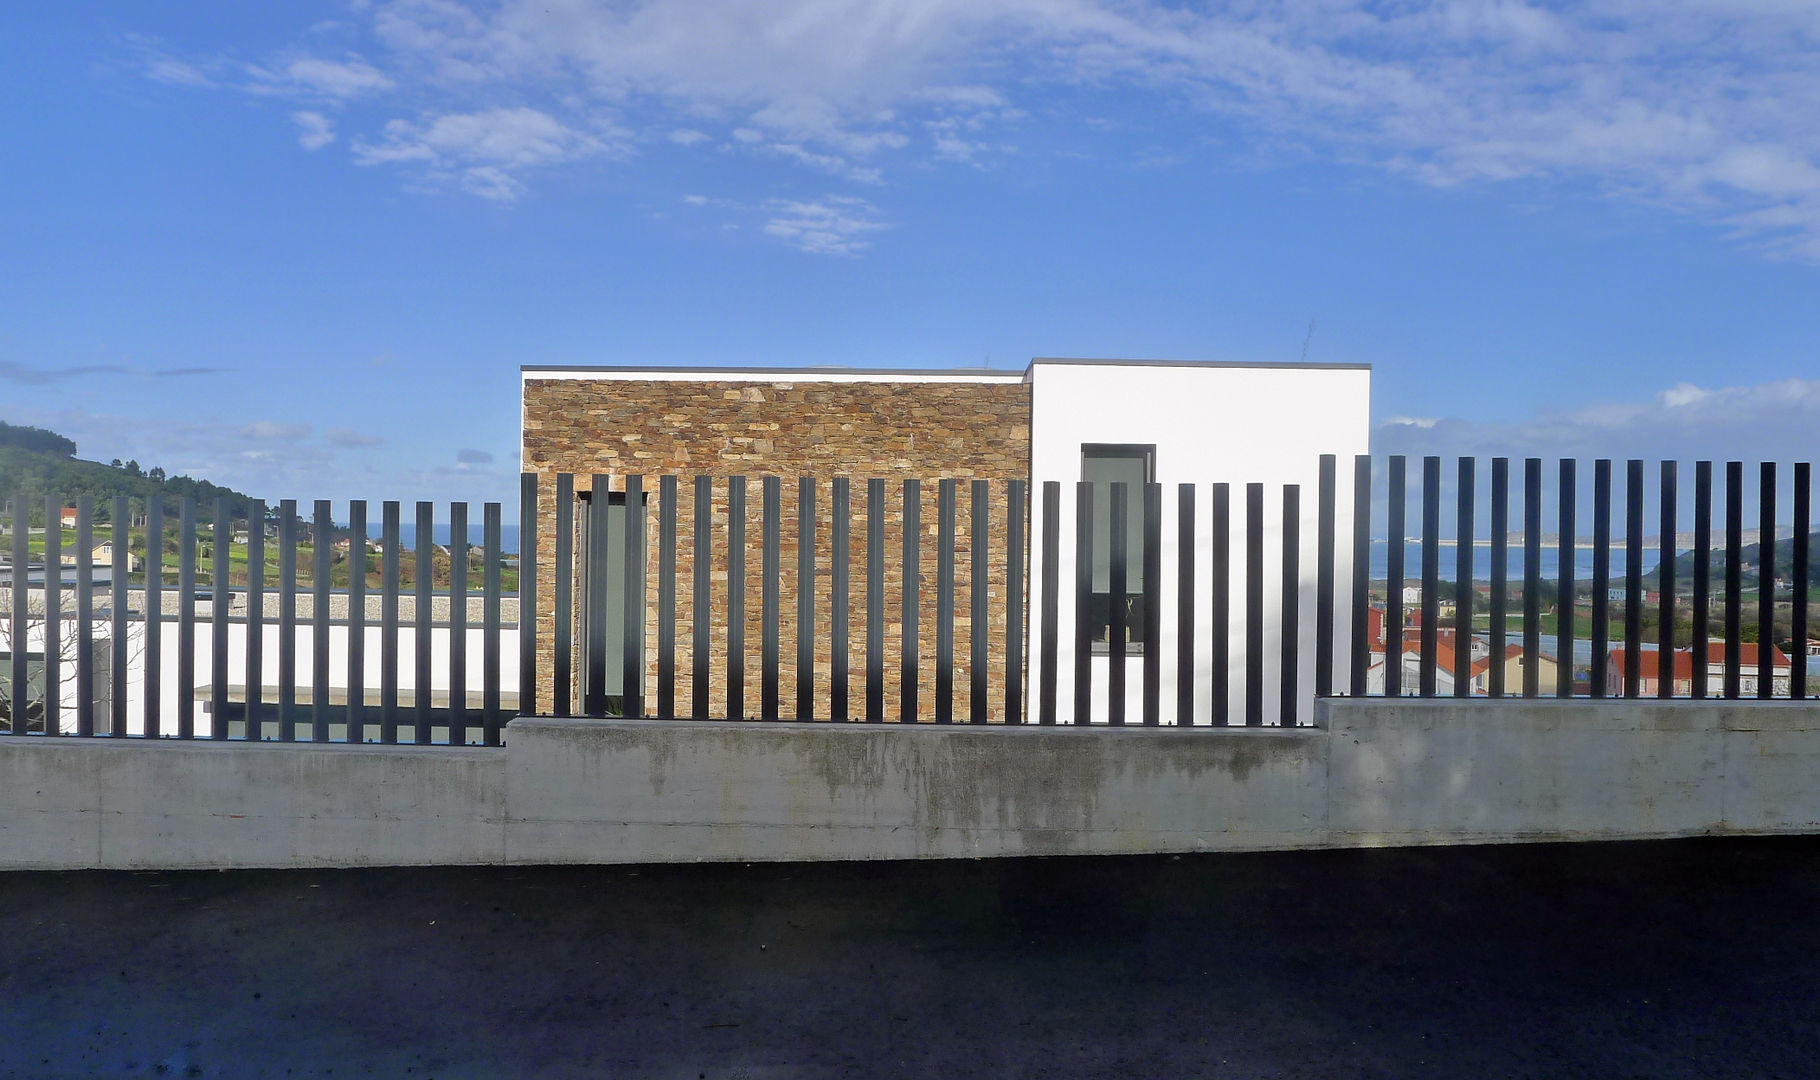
(611, 627)
(1133, 465)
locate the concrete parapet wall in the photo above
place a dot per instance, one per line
(69, 803)
(635, 791)
(1442, 771)
(1375, 772)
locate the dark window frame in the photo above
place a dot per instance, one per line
(1100, 604)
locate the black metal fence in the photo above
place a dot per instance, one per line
(1512, 631)
(1274, 601)
(69, 620)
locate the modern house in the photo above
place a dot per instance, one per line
(1103, 421)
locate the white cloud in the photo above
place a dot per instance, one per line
(834, 225)
(348, 437)
(165, 69)
(1702, 107)
(1765, 421)
(483, 151)
(317, 131)
(334, 79)
(274, 431)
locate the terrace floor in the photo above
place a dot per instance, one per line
(1688, 958)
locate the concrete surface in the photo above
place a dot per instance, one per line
(662, 791)
(1659, 959)
(1443, 771)
(76, 803)
(1382, 773)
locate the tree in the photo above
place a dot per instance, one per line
(31, 713)
(156, 476)
(133, 469)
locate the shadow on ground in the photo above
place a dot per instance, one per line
(1688, 958)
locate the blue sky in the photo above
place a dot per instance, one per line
(304, 248)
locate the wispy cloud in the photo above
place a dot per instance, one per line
(30, 375)
(1701, 107)
(834, 225)
(1763, 421)
(470, 456)
(338, 80)
(316, 130)
(27, 375)
(274, 431)
(351, 439)
(484, 151)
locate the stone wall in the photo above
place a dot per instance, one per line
(924, 430)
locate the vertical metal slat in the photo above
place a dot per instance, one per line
(425, 570)
(701, 619)
(1464, 588)
(1665, 581)
(1532, 577)
(978, 594)
(388, 622)
(220, 598)
(1431, 576)
(1633, 578)
(840, 612)
(1083, 602)
(490, 718)
(1289, 703)
(1184, 606)
(736, 598)
(562, 602)
(1734, 575)
(632, 660)
(912, 601)
(1566, 602)
(357, 621)
(769, 590)
(253, 674)
(319, 622)
(1500, 575)
(1703, 561)
(85, 617)
(666, 596)
(1254, 605)
(805, 599)
(287, 620)
(875, 601)
(1016, 497)
(1397, 530)
(1219, 623)
(1119, 597)
(1049, 604)
(944, 601)
(1599, 674)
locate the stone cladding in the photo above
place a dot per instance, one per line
(789, 428)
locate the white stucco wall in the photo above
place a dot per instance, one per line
(171, 689)
(1210, 423)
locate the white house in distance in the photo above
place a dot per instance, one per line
(1064, 420)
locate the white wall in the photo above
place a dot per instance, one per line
(1210, 423)
(170, 689)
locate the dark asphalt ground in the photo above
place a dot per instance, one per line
(1693, 958)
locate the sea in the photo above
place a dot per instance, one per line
(440, 532)
(1548, 557)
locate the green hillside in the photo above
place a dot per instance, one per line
(35, 463)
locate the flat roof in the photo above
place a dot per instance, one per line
(1268, 364)
(861, 374)
(774, 374)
